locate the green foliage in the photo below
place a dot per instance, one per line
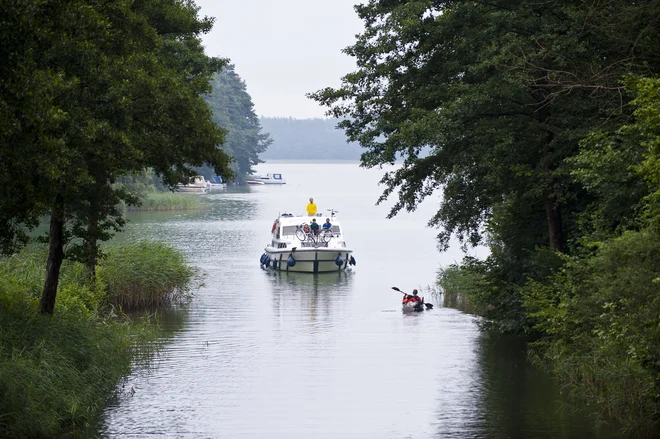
(307, 139)
(458, 284)
(146, 274)
(600, 317)
(161, 201)
(92, 91)
(233, 110)
(57, 371)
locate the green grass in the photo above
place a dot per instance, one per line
(163, 201)
(146, 274)
(57, 372)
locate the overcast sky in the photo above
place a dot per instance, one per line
(283, 49)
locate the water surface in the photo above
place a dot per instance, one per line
(259, 354)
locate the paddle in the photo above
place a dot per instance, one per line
(427, 305)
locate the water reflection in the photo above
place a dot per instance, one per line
(517, 400)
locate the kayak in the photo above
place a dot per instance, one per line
(412, 305)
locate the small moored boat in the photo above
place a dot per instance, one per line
(270, 178)
(216, 183)
(196, 185)
(295, 247)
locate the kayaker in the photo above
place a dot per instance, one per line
(414, 297)
(327, 225)
(311, 208)
(314, 226)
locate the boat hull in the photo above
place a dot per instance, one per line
(309, 260)
(413, 306)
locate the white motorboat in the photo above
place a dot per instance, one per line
(270, 178)
(254, 181)
(216, 183)
(196, 185)
(294, 247)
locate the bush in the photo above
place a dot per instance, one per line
(161, 201)
(145, 274)
(57, 371)
(601, 320)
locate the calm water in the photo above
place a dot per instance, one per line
(276, 355)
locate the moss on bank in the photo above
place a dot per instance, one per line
(56, 372)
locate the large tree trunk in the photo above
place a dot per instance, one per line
(55, 256)
(553, 215)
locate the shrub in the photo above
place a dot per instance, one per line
(146, 274)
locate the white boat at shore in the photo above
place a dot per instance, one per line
(294, 248)
(197, 185)
(216, 183)
(270, 178)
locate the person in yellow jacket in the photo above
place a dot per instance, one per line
(311, 207)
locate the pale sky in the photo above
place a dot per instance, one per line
(284, 49)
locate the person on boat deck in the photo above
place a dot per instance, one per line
(314, 226)
(311, 207)
(327, 225)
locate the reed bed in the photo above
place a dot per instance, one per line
(57, 372)
(165, 201)
(147, 274)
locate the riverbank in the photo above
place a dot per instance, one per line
(594, 321)
(167, 201)
(56, 372)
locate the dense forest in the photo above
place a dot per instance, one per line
(307, 139)
(542, 125)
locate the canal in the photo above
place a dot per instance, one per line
(275, 355)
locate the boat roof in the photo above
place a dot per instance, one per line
(288, 219)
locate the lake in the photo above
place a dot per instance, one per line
(259, 354)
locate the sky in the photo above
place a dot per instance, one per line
(284, 49)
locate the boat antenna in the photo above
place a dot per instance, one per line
(332, 212)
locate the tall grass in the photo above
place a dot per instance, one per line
(56, 372)
(456, 283)
(163, 201)
(146, 274)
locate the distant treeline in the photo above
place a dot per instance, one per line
(307, 139)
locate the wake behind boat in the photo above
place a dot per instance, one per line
(296, 247)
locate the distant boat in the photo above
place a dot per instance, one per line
(270, 178)
(216, 183)
(196, 185)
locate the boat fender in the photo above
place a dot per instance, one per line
(262, 259)
(267, 261)
(351, 261)
(339, 261)
(275, 264)
(291, 261)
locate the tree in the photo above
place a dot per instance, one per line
(124, 95)
(475, 82)
(233, 110)
(501, 92)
